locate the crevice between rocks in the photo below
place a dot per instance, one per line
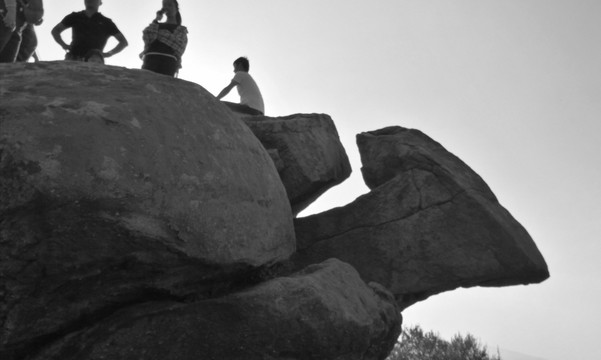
(212, 288)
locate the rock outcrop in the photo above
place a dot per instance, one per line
(429, 225)
(162, 156)
(121, 185)
(323, 312)
(140, 218)
(308, 151)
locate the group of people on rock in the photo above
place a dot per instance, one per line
(165, 42)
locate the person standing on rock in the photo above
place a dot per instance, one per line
(29, 43)
(22, 15)
(251, 100)
(90, 31)
(165, 43)
(8, 21)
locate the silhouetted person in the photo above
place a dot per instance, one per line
(8, 23)
(90, 31)
(29, 43)
(27, 13)
(165, 43)
(251, 100)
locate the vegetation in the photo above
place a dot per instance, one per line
(415, 344)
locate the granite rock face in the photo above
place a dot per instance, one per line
(141, 218)
(122, 185)
(162, 154)
(429, 225)
(322, 312)
(309, 153)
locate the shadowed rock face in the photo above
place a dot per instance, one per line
(323, 312)
(429, 225)
(140, 218)
(122, 185)
(308, 151)
(162, 154)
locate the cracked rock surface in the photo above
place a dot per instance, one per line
(310, 153)
(118, 186)
(140, 219)
(323, 312)
(430, 224)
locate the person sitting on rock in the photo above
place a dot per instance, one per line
(251, 101)
(165, 43)
(90, 31)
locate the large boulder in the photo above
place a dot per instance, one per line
(323, 312)
(119, 185)
(429, 225)
(308, 151)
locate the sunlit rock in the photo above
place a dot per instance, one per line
(308, 149)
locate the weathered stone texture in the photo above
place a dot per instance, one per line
(310, 153)
(322, 312)
(118, 185)
(429, 225)
(140, 218)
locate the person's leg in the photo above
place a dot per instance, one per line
(29, 42)
(243, 109)
(70, 57)
(11, 48)
(170, 67)
(5, 34)
(160, 64)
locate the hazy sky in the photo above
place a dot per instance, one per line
(512, 87)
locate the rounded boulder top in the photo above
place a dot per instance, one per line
(161, 155)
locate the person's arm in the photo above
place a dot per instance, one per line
(56, 34)
(150, 34)
(120, 46)
(180, 41)
(226, 90)
(10, 20)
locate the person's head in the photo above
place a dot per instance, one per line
(92, 4)
(241, 64)
(94, 56)
(171, 8)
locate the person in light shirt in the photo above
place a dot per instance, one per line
(251, 100)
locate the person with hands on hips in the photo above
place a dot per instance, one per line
(90, 31)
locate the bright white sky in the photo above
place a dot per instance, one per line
(513, 87)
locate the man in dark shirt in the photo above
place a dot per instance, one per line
(90, 31)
